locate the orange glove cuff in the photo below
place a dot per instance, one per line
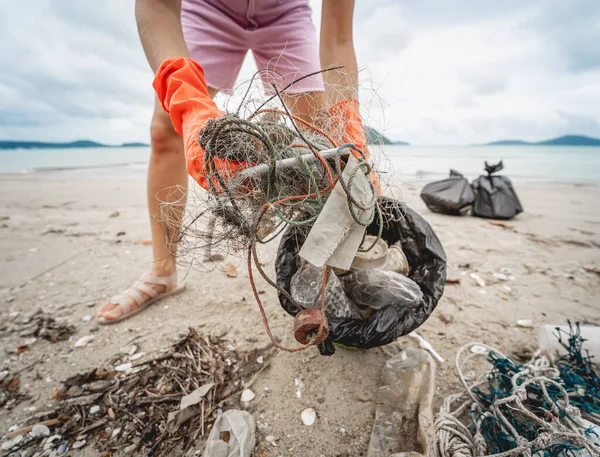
(345, 118)
(182, 91)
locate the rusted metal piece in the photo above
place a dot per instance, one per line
(307, 324)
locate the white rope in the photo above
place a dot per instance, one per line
(454, 439)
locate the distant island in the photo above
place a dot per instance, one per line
(71, 145)
(375, 137)
(566, 140)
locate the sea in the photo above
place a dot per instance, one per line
(578, 165)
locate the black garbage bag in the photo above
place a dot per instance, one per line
(427, 261)
(495, 197)
(453, 195)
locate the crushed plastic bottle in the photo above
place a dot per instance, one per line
(378, 288)
(404, 415)
(306, 285)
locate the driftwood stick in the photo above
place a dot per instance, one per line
(48, 423)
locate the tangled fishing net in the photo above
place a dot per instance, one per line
(252, 195)
(541, 408)
(264, 169)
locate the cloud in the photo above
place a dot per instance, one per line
(433, 71)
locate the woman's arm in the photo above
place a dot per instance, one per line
(337, 48)
(159, 27)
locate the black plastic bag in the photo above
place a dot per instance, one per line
(453, 195)
(427, 262)
(495, 197)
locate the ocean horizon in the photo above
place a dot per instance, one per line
(398, 164)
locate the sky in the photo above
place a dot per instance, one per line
(432, 72)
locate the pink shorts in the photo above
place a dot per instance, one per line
(280, 33)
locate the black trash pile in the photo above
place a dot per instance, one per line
(156, 407)
(491, 196)
(370, 307)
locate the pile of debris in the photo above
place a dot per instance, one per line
(39, 325)
(158, 406)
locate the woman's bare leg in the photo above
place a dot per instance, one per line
(167, 184)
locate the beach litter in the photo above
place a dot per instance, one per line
(268, 172)
(233, 435)
(404, 415)
(478, 279)
(543, 407)
(158, 406)
(84, 341)
(453, 195)
(39, 325)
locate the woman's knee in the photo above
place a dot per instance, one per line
(163, 137)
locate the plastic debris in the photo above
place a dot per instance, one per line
(378, 288)
(373, 253)
(551, 346)
(525, 323)
(500, 276)
(233, 435)
(453, 195)
(479, 349)
(306, 287)
(495, 197)
(79, 444)
(124, 366)
(397, 260)
(404, 402)
(478, 279)
(196, 396)
(83, 341)
(308, 416)
(299, 387)
(424, 344)
(247, 396)
(427, 268)
(260, 360)
(94, 409)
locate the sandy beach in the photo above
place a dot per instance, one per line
(63, 252)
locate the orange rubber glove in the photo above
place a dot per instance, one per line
(346, 121)
(181, 88)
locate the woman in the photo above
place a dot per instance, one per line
(217, 34)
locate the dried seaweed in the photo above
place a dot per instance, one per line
(156, 407)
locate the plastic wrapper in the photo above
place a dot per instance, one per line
(453, 195)
(376, 288)
(427, 262)
(495, 197)
(306, 285)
